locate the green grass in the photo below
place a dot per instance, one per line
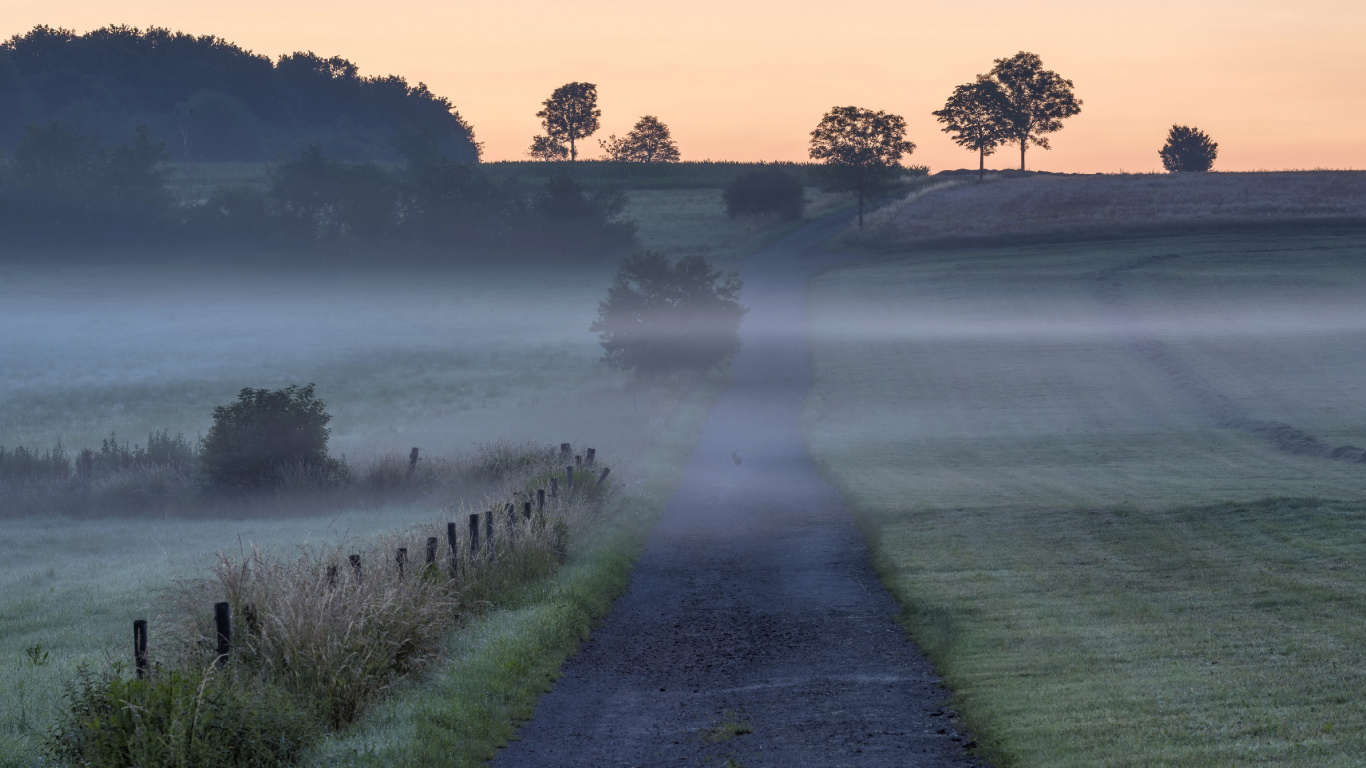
(1103, 576)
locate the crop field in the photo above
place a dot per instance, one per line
(446, 361)
(1062, 461)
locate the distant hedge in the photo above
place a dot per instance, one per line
(766, 192)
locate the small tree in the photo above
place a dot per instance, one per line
(1188, 149)
(648, 142)
(546, 148)
(862, 149)
(974, 115)
(764, 192)
(1038, 100)
(264, 432)
(571, 113)
(660, 317)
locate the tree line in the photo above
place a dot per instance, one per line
(210, 100)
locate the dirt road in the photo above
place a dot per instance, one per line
(755, 604)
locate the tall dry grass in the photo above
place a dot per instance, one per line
(338, 623)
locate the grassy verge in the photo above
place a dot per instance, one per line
(1103, 575)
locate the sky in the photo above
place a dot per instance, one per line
(1277, 84)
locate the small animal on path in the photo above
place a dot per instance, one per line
(735, 457)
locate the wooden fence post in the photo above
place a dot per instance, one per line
(222, 622)
(565, 450)
(474, 534)
(554, 487)
(355, 566)
(412, 460)
(602, 478)
(401, 557)
(331, 575)
(455, 553)
(488, 531)
(512, 518)
(526, 509)
(431, 550)
(540, 499)
(569, 477)
(591, 456)
(140, 662)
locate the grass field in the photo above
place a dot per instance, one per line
(1103, 574)
(440, 360)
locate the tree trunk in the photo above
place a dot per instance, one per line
(981, 162)
(1023, 143)
(574, 153)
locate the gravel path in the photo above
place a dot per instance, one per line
(754, 603)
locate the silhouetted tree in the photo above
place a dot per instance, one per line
(1039, 100)
(1188, 149)
(571, 113)
(546, 148)
(862, 149)
(974, 114)
(648, 142)
(660, 317)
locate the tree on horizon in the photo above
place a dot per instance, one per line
(862, 149)
(1188, 149)
(648, 142)
(1038, 100)
(571, 113)
(546, 148)
(975, 115)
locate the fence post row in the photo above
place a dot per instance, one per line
(222, 621)
(140, 662)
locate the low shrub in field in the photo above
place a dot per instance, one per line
(765, 192)
(269, 437)
(173, 718)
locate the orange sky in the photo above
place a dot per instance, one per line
(1277, 84)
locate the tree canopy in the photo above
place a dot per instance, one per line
(862, 149)
(975, 115)
(660, 317)
(1037, 99)
(571, 113)
(209, 99)
(648, 142)
(1188, 150)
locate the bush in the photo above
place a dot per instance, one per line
(660, 317)
(765, 192)
(1188, 149)
(267, 435)
(176, 718)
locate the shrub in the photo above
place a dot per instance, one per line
(765, 192)
(221, 717)
(266, 435)
(1188, 149)
(660, 317)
